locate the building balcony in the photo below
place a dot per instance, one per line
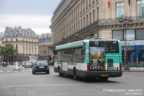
(103, 22)
(123, 20)
(19, 41)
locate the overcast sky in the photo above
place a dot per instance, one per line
(34, 14)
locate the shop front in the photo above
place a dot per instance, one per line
(132, 41)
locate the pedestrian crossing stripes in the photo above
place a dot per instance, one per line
(12, 68)
(6, 71)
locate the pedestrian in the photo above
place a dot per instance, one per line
(17, 67)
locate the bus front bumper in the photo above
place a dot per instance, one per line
(97, 74)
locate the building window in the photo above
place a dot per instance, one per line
(93, 1)
(81, 24)
(87, 19)
(118, 34)
(140, 8)
(97, 13)
(124, 35)
(89, 3)
(90, 17)
(84, 21)
(140, 34)
(130, 34)
(119, 10)
(74, 28)
(93, 15)
(86, 4)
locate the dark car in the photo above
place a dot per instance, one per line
(40, 66)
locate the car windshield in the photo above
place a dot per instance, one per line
(41, 63)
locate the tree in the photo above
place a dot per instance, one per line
(0, 54)
(0, 50)
(7, 51)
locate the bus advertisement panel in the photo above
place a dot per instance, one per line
(97, 58)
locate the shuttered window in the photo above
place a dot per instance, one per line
(118, 34)
(140, 34)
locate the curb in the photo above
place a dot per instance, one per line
(133, 70)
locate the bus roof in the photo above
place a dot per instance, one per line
(70, 45)
(80, 43)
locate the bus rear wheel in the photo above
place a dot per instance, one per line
(60, 74)
(75, 77)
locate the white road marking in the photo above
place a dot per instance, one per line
(10, 69)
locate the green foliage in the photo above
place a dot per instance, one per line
(0, 50)
(7, 50)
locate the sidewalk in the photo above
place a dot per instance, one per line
(134, 69)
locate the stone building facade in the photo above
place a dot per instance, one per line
(45, 43)
(1, 35)
(123, 19)
(24, 40)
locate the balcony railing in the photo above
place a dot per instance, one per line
(102, 22)
(123, 20)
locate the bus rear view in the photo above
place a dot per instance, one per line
(89, 59)
(105, 59)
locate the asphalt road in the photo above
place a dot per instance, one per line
(23, 83)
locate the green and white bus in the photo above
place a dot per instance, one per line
(92, 58)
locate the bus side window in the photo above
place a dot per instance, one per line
(78, 55)
(67, 55)
(59, 55)
(83, 53)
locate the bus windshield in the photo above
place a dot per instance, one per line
(110, 46)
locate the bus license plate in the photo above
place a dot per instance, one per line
(104, 75)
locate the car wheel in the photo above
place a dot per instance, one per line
(34, 72)
(103, 78)
(47, 72)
